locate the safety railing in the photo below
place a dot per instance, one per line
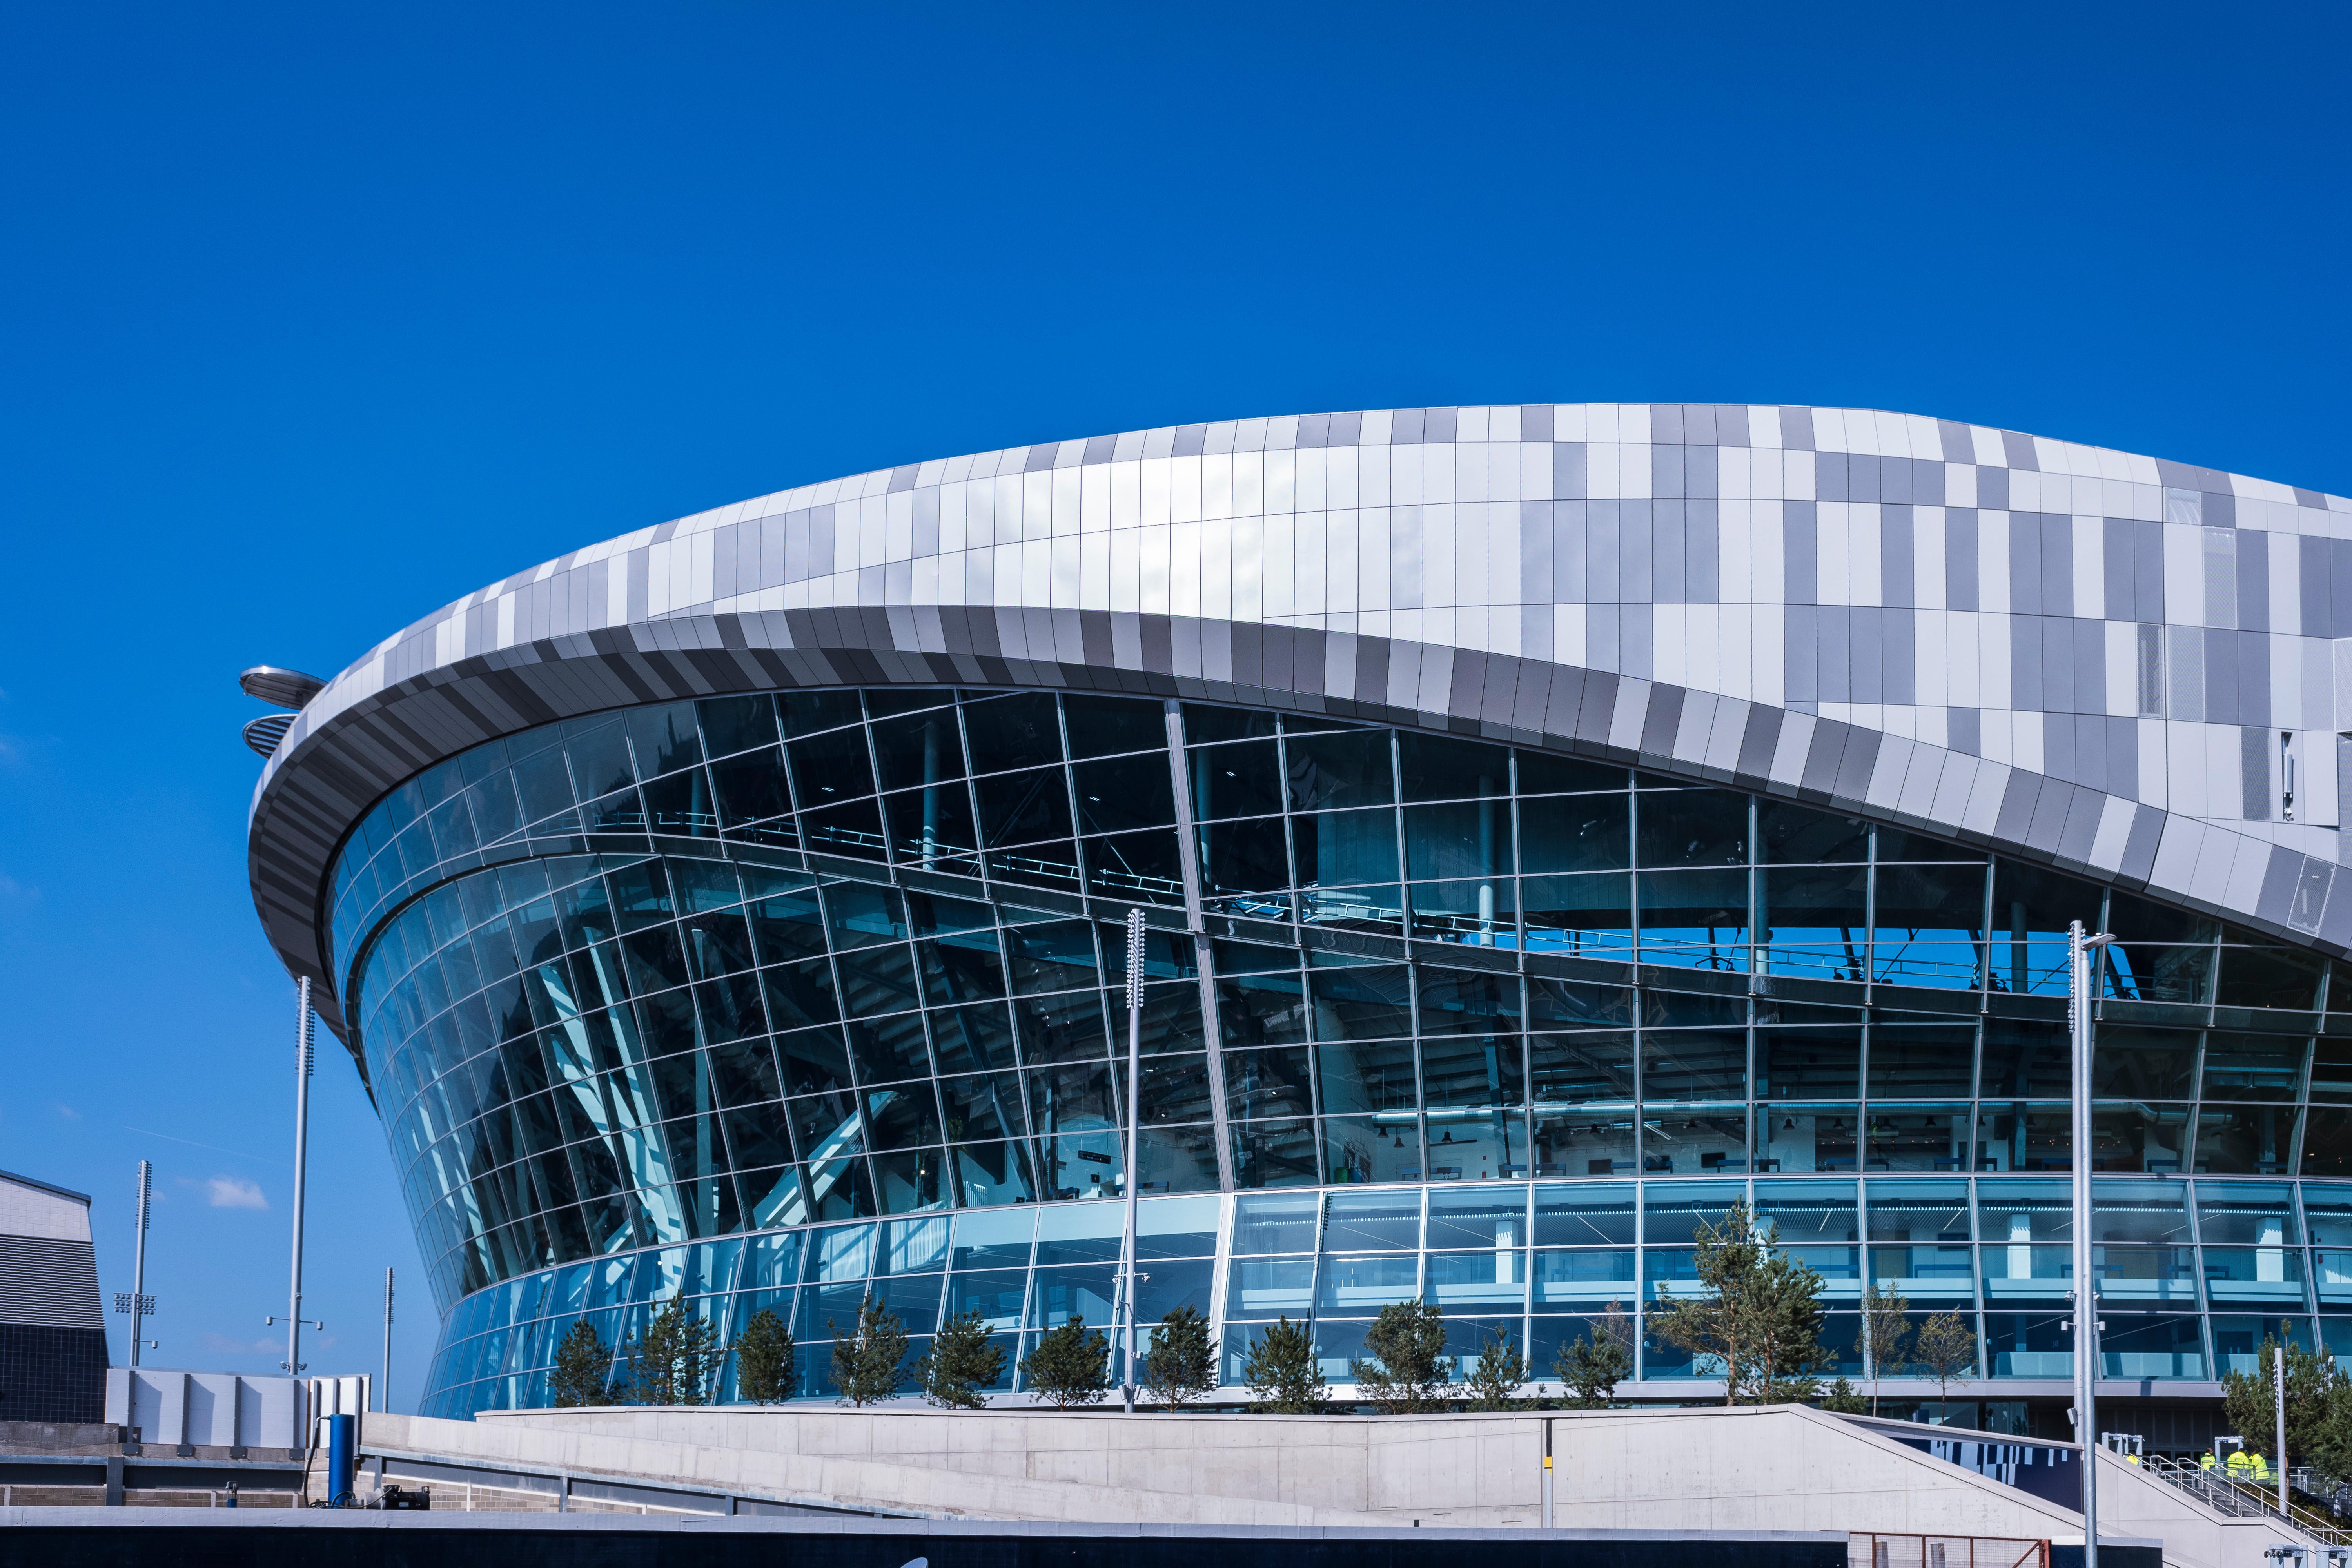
(2238, 1497)
(1876, 1549)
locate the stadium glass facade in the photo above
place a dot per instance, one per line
(776, 1000)
(1552, 823)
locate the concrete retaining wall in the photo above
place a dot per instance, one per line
(1783, 1468)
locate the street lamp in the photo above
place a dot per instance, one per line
(1134, 1132)
(2080, 948)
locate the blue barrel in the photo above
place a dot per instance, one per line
(342, 1458)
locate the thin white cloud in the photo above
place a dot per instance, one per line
(234, 1192)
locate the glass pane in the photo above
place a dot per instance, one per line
(1672, 1211)
(2031, 911)
(1269, 1222)
(1362, 1221)
(2268, 977)
(1576, 833)
(1921, 1063)
(1917, 1138)
(2246, 1213)
(2253, 1066)
(2251, 1140)
(2143, 1064)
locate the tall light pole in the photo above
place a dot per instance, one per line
(301, 1151)
(384, 1393)
(1134, 1131)
(2081, 953)
(139, 1304)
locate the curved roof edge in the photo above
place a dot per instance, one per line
(653, 616)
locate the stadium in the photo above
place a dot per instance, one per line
(1552, 823)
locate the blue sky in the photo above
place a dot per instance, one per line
(313, 319)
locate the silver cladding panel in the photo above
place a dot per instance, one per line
(2095, 658)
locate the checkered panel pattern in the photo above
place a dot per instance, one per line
(2123, 665)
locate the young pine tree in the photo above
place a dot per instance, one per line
(1495, 1380)
(869, 1362)
(584, 1368)
(1180, 1363)
(1406, 1367)
(2318, 1408)
(1281, 1370)
(1068, 1366)
(1947, 1350)
(672, 1361)
(1885, 1332)
(1761, 1318)
(1593, 1366)
(763, 1360)
(962, 1361)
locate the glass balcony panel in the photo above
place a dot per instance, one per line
(1471, 1280)
(2159, 1345)
(2131, 1277)
(1267, 1287)
(1059, 1295)
(2238, 1341)
(2267, 1277)
(1584, 1215)
(2021, 1212)
(1363, 1285)
(1673, 1213)
(2034, 1345)
(1583, 1279)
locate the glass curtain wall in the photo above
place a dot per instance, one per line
(639, 985)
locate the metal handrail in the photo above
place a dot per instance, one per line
(2237, 1498)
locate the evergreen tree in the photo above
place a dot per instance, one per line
(1494, 1381)
(1281, 1370)
(675, 1358)
(1068, 1366)
(870, 1362)
(1843, 1399)
(763, 1360)
(1947, 1350)
(1593, 1366)
(1761, 1320)
(1180, 1364)
(962, 1361)
(2318, 1408)
(1885, 1325)
(584, 1368)
(1406, 1367)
